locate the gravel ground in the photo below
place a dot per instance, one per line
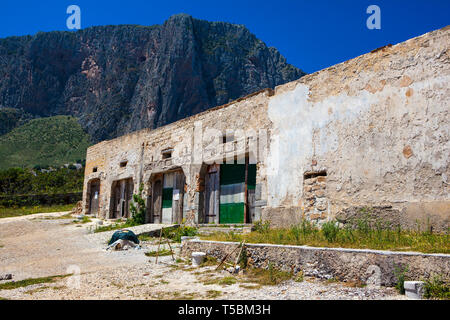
(47, 246)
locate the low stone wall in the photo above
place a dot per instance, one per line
(367, 266)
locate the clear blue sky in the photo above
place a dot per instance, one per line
(311, 34)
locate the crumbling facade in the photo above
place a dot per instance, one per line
(370, 135)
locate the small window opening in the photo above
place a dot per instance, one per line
(313, 174)
(167, 153)
(229, 137)
(95, 169)
(123, 164)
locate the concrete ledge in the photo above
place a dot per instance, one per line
(414, 289)
(368, 266)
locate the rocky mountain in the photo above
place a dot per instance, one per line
(118, 79)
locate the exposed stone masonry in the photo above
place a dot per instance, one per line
(377, 125)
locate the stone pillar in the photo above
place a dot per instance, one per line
(194, 191)
(85, 196)
(106, 198)
(260, 192)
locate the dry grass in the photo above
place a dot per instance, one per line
(363, 236)
(23, 211)
(267, 277)
(212, 294)
(223, 281)
(163, 252)
(31, 281)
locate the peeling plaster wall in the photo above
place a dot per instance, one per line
(378, 124)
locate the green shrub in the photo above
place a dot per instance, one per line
(330, 230)
(182, 231)
(262, 227)
(400, 274)
(137, 208)
(437, 288)
(379, 236)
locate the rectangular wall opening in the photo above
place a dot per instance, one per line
(314, 174)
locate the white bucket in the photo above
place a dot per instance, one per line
(197, 258)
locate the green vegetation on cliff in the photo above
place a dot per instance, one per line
(17, 181)
(51, 141)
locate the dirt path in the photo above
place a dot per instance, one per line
(42, 245)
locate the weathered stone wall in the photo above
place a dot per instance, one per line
(375, 127)
(191, 140)
(366, 266)
(377, 124)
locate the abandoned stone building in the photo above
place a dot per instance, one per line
(367, 135)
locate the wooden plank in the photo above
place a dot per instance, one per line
(159, 245)
(240, 252)
(207, 197)
(217, 194)
(157, 201)
(227, 255)
(245, 191)
(178, 204)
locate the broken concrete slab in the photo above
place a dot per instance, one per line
(414, 289)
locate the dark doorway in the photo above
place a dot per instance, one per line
(122, 195)
(94, 196)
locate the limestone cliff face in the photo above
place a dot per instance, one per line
(118, 79)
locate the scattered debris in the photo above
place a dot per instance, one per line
(123, 234)
(123, 244)
(7, 276)
(227, 255)
(78, 209)
(234, 269)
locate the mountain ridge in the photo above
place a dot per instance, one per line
(119, 79)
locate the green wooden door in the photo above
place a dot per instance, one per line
(167, 196)
(232, 193)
